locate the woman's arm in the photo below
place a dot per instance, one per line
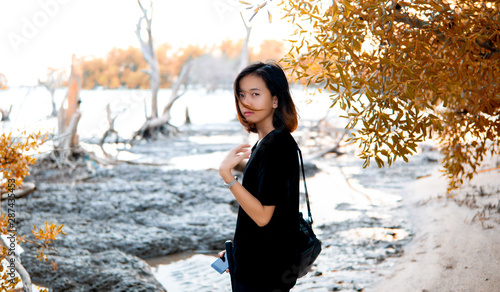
(259, 213)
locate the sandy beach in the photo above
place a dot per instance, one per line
(456, 246)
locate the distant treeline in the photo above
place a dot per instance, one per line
(214, 67)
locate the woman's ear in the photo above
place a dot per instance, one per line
(275, 102)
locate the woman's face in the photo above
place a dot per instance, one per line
(260, 104)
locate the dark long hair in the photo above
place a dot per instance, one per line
(285, 115)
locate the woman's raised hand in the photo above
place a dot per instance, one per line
(235, 156)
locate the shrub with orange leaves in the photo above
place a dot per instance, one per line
(406, 71)
(14, 167)
(14, 162)
(46, 236)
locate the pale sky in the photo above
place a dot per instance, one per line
(37, 34)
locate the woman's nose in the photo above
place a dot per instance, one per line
(246, 101)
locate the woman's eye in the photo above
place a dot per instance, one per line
(255, 94)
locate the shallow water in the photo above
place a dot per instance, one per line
(189, 272)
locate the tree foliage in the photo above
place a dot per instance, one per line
(124, 67)
(121, 67)
(404, 72)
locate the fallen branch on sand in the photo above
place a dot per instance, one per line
(25, 189)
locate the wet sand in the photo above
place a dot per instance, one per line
(456, 245)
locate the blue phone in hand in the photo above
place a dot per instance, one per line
(220, 265)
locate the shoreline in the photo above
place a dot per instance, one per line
(450, 250)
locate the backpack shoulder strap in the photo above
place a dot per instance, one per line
(309, 215)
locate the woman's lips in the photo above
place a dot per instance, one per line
(248, 113)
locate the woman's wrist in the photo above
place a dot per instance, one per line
(228, 178)
(226, 175)
(230, 184)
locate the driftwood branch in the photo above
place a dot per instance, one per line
(335, 149)
(111, 130)
(25, 189)
(25, 277)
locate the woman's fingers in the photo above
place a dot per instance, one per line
(243, 148)
(244, 151)
(235, 156)
(221, 255)
(243, 155)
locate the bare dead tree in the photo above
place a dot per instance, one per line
(110, 131)
(161, 124)
(155, 124)
(149, 55)
(69, 115)
(245, 53)
(54, 80)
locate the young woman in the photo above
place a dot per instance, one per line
(265, 241)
